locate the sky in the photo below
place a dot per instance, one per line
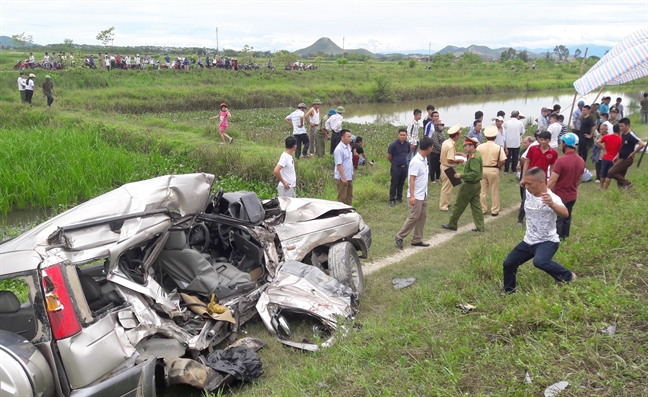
(378, 26)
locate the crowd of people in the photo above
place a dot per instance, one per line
(550, 164)
(27, 85)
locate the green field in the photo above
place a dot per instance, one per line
(108, 128)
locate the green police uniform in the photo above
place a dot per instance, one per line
(469, 193)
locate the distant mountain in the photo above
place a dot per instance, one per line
(7, 41)
(475, 49)
(594, 50)
(327, 46)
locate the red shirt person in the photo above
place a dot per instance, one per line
(611, 143)
(566, 175)
(541, 155)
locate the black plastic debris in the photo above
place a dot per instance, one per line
(241, 362)
(400, 283)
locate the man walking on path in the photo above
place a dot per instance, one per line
(296, 121)
(417, 196)
(493, 158)
(21, 87)
(566, 175)
(513, 129)
(470, 189)
(397, 155)
(541, 240)
(334, 127)
(631, 144)
(285, 170)
(48, 90)
(448, 159)
(313, 118)
(343, 173)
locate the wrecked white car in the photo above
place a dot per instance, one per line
(158, 273)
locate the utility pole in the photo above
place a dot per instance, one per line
(217, 41)
(429, 51)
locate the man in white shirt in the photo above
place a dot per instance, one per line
(21, 87)
(313, 119)
(500, 139)
(417, 196)
(554, 128)
(138, 62)
(333, 126)
(343, 172)
(46, 61)
(296, 121)
(285, 170)
(413, 133)
(541, 240)
(513, 131)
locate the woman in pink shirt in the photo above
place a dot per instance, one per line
(223, 115)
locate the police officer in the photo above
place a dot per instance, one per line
(493, 159)
(470, 189)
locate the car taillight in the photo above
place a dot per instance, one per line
(59, 305)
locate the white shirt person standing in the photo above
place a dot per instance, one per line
(285, 170)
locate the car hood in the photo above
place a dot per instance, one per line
(301, 210)
(184, 194)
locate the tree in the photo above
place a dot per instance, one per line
(284, 57)
(412, 63)
(508, 55)
(523, 56)
(69, 43)
(21, 40)
(561, 52)
(468, 58)
(577, 53)
(318, 60)
(342, 61)
(247, 54)
(106, 36)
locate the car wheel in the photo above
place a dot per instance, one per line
(344, 265)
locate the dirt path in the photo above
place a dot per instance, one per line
(437, 239)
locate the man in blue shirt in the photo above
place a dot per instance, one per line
(343, 173)
(397, 156)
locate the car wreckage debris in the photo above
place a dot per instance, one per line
(241, 362)
(400, 283)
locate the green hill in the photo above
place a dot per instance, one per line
(327, 46)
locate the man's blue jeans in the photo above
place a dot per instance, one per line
(542, 254)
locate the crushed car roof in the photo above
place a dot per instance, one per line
(182, 194)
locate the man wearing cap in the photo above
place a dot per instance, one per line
(397, 154)
(21, 87)
(48, 89)
(448, 159)
(566, 175)
(543, 120)
(576, 117)
(513, 130)
(493, 158)
(313, 118)
(29, 88)
(334, 127)
(469, 191)
(417, 192)
(321, 135)
(296, 121)
(343, 172)
(614, 116)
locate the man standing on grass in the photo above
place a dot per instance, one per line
(321, 135)
(513, 129)
(541, 240)
(434, 130)
(576, 117)
(493, 158)
(21, 87)
(334, 127)
(500, 139)
(48, 90)
(566, 175)
(476, 131)
(417, 196)
(619, 107)
(448, 159)
(428, 118)
(296, 121)
(469, 191)
(479, 116)
(541, 155)
(313, 118)
(586, 132)
(397, 155)
(631, 144)
(413, 133)
(285, 170)
(343, 172)
(543, 120)
(554, 129)
(644, 109)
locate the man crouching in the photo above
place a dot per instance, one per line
(541, 240)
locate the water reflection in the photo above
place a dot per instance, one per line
(462, 109)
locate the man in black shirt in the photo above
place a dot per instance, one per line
(585, 133)
(630, 144)
(397, 156)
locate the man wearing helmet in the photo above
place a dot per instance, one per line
(566, 175)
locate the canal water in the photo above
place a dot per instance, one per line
(461, 109)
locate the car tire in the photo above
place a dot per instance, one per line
(344, 265)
